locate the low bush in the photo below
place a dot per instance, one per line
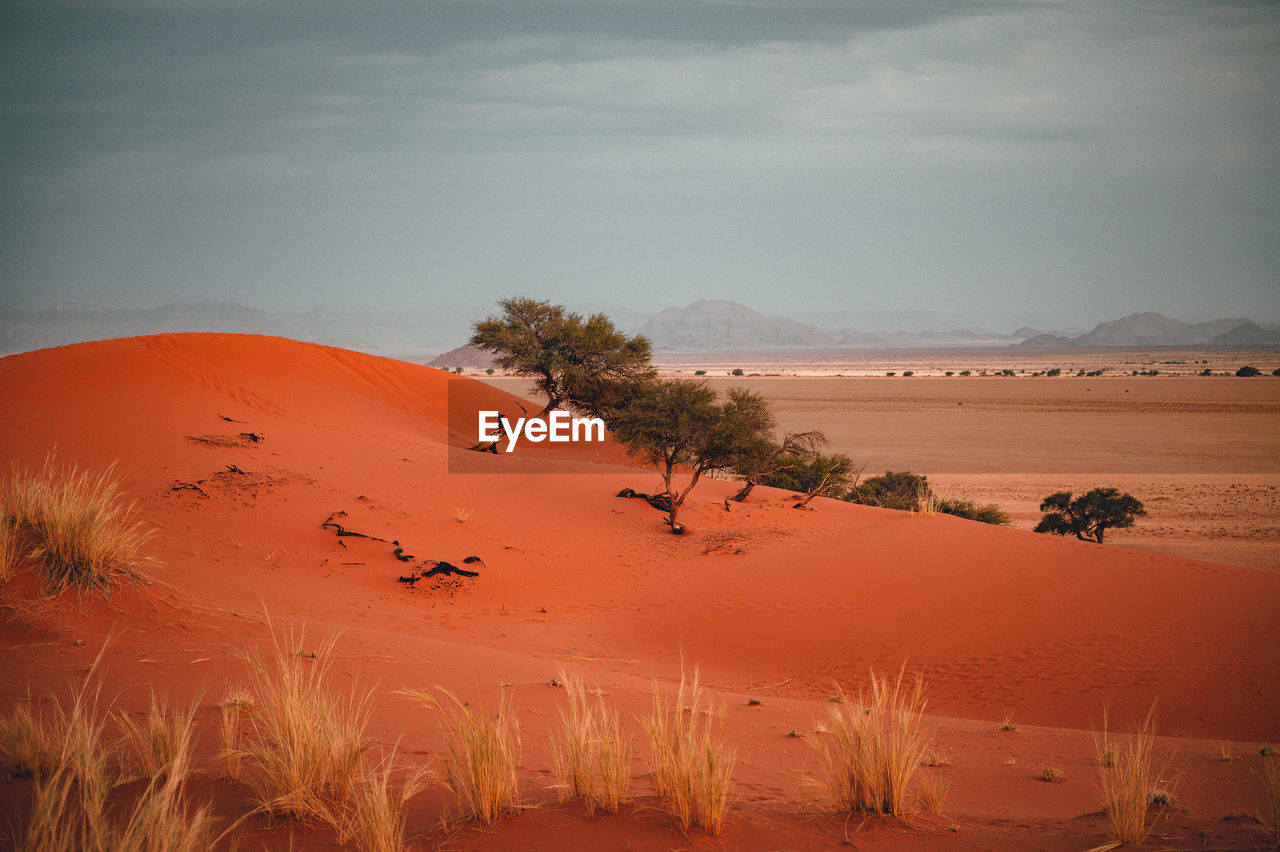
(986, 513)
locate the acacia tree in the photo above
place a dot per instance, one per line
(585, 364)
(769, 458)
(678, 423)
(1090, 515)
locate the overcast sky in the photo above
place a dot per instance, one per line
(796, 156)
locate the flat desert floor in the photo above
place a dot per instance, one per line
(247, 456)
(1201, 453)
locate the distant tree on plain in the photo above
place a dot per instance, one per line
(581, 363)
(1090, 515)
(1248, 372)
(1276, 371)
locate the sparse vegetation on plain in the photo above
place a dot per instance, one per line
(75, 525)
(691, 763)
(876, 746)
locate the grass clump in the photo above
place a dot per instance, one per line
(69, 809)
(374, 820)
(304, 743)
(482, 769)
(1052, 774)
(592, 757)
(162, 737)
(1129, 774)
(877, 744)
(80, 530)
(31, 739)
(691, 762)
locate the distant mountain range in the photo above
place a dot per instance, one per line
(1150, 329)
(420, 334)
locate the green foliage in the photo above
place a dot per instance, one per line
(581, 363)
(812, 474)
(674, 423)
(986, 513)
(737, 371)
(1248, 372)
(1090, 515)
(901, 491)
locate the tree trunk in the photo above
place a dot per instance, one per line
(743, 492)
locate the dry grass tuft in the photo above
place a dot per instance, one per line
(1052, 774)
(31, 739)
(83, 532)
(1128, 779)
(159, 739)
(375, 819)
(931, 792)
(592, 757)
(234, 703)
(304, 743)
(1271, 773)
(69, 803)
(877, 744)
(692, 763)
(11, 551)
(461, 514)
(483, 767)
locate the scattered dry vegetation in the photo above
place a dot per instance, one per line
(877, 744)
(482, 769)
(76, 525)
(691, 761)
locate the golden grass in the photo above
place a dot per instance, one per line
(877, 743)
(10, 545)
(482, 769)
(1271, 774)
(1052, 774)
(84, 534)
(69, 802)
(234, 703)
(1128, 779)
(461, 513)
(159, 739)
(31, 739)
(691, 762)
(374, 819)
(931, 792)
(592, 758)
(304, 743)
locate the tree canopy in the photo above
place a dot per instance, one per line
(581, 363)
(673, 423)
(1090, 515)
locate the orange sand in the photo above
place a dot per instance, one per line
(772, 603)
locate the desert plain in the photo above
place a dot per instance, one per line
(1022, 639)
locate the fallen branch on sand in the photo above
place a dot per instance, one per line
(342, 531)
(440, 568)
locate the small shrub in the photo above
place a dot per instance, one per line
(950, 373)
(699, 372)
(966, 372)
(737, 371)
(894, 490)
(877, 744)
(31, 740)
(691, 762)
(906, 373)
(1054, 372)
(987, 513)
(891, 374)
(1276, 371)
(482, 769)
(461, 514)
(488, 371)
(1008, 725)
(1052, 774)
(1248, 372)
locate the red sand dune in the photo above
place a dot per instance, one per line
(771, 602)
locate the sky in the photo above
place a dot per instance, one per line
(799, 156)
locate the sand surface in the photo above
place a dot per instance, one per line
(772, 603)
